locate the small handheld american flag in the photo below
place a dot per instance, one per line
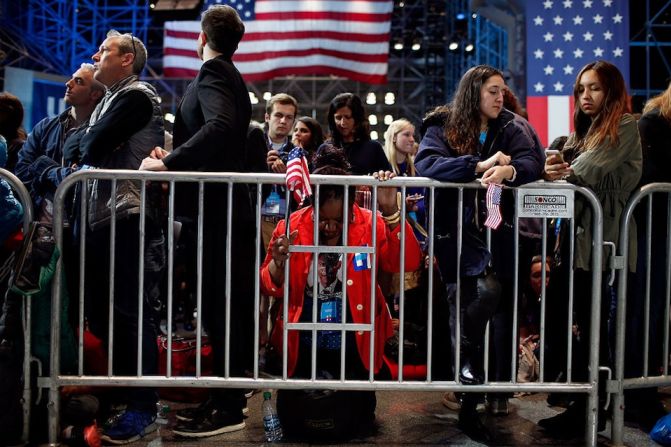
(298, 175)
(493, 206)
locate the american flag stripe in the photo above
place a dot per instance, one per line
(288, 37)
(316, 34)
(292, 54)
(552, 116)
(562, 37)
(493, 199)
(297, 175)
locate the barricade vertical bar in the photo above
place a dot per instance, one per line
(667, 305)
(516, 276)
(140, 273)
(401, 298)
(401, 289)
(621, 315)
(429, 334)
(27, 324)
(485, 363)
(257, 283)
(373, 287)
(55, 354)
(457, 318)
(597, 255)
(229, 236)
(544, 253)
(569, 329)
(82, 274)
(315, 290)
(110, 329)
(24, 197)
(343, 298)
(171, 266)
(646, 305)
(199, 277)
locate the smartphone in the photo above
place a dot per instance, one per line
(549, 152)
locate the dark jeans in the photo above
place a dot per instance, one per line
(478, 301)
(126, 285)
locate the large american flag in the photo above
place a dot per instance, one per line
(348, 38)
(562, 37)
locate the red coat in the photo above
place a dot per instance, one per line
(358, 282)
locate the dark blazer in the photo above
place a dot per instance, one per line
(210, 135)
(211, 122)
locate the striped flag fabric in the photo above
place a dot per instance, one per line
(295, 37)
(298, 175)
(493, 199)
(562, 37)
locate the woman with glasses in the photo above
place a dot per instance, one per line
(329, 281)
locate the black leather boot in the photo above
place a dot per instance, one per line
(470, 422)
(470, 373)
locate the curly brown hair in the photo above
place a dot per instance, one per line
(462, 128)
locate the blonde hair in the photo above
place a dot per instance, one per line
(661, 102)
(390, 150)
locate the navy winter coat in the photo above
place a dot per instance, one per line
(40, 166)
(510, 134)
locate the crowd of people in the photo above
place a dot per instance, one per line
(114, 121)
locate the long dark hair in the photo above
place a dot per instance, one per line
(361, 126)
(591, 132)
(462, 128)
(316, 133)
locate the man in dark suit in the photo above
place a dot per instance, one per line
(209, 135)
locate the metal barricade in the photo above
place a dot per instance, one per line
(24, 197)
(657, 289)
(256, 378)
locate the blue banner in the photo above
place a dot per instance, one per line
(47, 99)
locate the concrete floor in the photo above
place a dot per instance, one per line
(411, 419)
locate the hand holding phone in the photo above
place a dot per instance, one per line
(555, 166)
(549, 152)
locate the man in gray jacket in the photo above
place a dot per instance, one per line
(125, 126)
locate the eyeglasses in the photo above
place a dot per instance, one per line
(132, 39)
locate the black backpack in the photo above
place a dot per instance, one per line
(326, 415)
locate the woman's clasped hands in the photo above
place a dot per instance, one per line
(495, 169)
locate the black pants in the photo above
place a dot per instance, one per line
(479, 300)
(241, 349)
(126, 286)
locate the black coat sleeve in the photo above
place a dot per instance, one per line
(128, 113)
(216, 97)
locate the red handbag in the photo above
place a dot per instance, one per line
(184, 364)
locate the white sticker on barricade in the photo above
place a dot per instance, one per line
(545, 202)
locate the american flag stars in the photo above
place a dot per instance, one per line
(565, 35)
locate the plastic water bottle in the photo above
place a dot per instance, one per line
(271, 421)
(273, 202)
(162, 411)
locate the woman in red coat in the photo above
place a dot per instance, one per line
(329, 276)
